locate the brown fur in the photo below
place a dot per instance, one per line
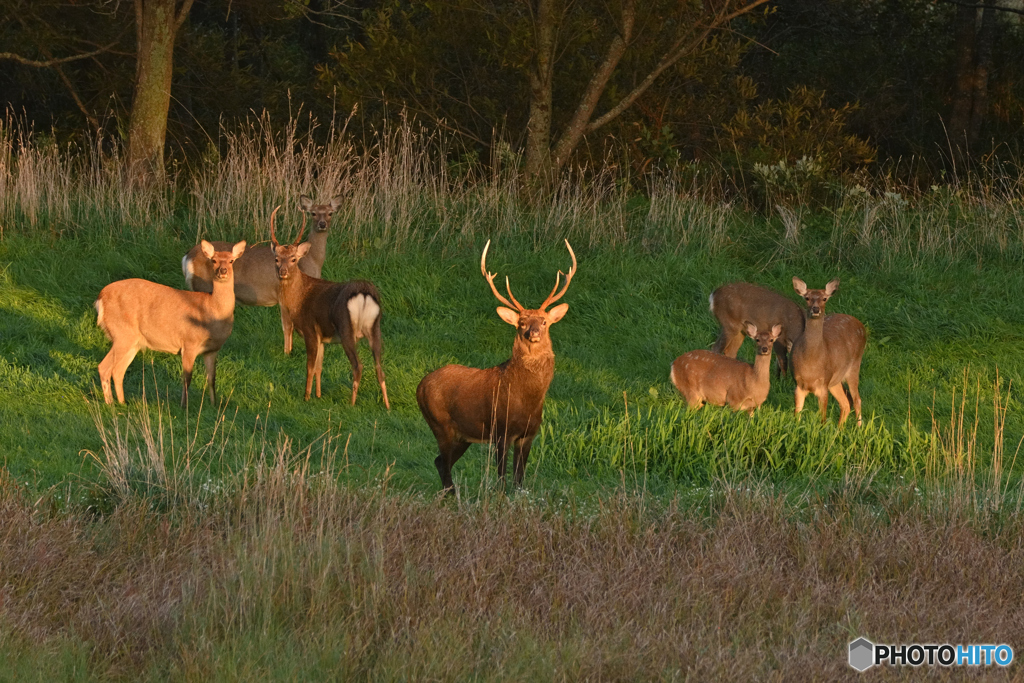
(737, 303)
(828, 354)
(138, 314)
(706, 377)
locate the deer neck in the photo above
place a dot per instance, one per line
(222, 301)
(318, 247)
(762, 367)
(291, 291)
(814, 330)
(535, 361)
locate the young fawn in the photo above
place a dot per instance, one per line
(255, 274)
(138, 314)
(737, 303)
(828, 353)
(707, 377)
(327, 312)
(501, 405)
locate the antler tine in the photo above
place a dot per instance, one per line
(301, 230)
(552, 297)
(490, 280)
(512, 296)
(273, 237)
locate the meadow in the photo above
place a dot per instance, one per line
(267, 536)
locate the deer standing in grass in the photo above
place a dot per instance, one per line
(739, 303)
(255, 273)
(706, 377)
(501, 405)
(138, 314)
(828, 353)
(326, 312)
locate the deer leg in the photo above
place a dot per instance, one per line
(122, 359)
(451, 451)
(853, 382)
(519, 456)
(319, 371)
(500, 457)
(844, 405)
(729, 343)
(106, 369)
(821, 393)
(312, 343)
(375, 347)
(288, 328)
(357, 366)
(188, 362)
(210, 361)
(801, 394)
(781, 360)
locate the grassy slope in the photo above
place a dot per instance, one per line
(631, 312)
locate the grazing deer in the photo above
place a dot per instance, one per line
(324, 312)
(501, 405)
(705, 377)
(255, 275)
(828, 353)
(736, 304)
(138, 314)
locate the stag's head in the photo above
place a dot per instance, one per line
(222, 260)
(815, 298)
(531, 325)
(321, 213)
(286, 256)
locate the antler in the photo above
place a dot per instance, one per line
(490, 280)
(273, 238)
(552, 297)
(301, 230)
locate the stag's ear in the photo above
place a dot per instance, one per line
(238, 249)
(509, 316)
(799, 285)
(207, 248)
(556, 313)
(305, 203)
(303, 249)
(751, 329)
(832, 287)
(336, 203)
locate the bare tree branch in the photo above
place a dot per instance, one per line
(991, 5)
(53, 62)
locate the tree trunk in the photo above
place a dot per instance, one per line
(156, 24)
(538, 129)
(982, 68)
(975, 38)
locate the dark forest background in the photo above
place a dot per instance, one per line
(920, 89)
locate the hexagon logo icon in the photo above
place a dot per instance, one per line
(862, 654)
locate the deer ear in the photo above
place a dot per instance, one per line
(508, 315)
(238, 249)
(751, 329)
(556, 313)
(303, 249)
(305, 203)
(799, 285)
(776, 330)
(207, 248)
(832, 287)
(336, 203)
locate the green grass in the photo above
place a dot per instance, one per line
(937, 328)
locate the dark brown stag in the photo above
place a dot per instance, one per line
(502, 405)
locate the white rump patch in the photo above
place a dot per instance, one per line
(99, 312)
(188, 270)
(363, 311)
(711, 302)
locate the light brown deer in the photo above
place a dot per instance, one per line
(327, 312)
(138, 314)
(706, 377)
(255, 274)
(737, 303)
(501, 405)
(828, 353)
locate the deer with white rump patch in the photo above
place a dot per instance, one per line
(326, 312)
(739, 303)
(255, 272)
(706, 377)
(138, 314)
(828, 353)
(502, 405)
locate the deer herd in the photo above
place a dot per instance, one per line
(501, 406)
